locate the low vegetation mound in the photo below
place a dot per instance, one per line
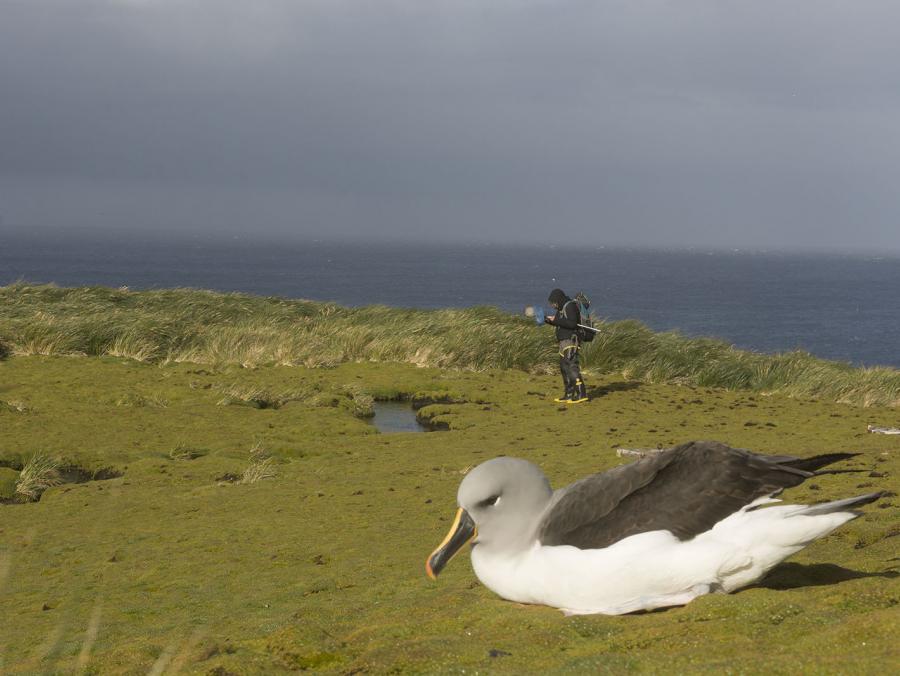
(185, 325)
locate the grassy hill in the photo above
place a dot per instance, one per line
(190, 483)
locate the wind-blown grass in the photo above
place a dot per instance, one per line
(185, 452)
(262, 466)
(135, 400)
(258, 397)
(630, 348)
(38, 474)
(183, 325)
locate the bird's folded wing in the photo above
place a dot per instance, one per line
(685, 490)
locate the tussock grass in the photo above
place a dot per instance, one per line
(262, 466)
(258, 397)
(137, 400)
(15, 406)
(38, 474)
(186, 452)
(183, 325)
(630, 348)
(361, 403)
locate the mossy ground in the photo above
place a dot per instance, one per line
(169, 568)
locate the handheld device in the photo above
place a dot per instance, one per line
(538, 313)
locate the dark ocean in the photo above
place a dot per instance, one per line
(835, 306)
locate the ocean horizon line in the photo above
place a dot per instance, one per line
(226, 239)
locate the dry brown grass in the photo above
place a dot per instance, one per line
(38, 474)
(262, 466)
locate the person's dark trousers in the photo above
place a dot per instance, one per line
(570, 370)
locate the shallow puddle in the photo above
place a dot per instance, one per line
(396, 416)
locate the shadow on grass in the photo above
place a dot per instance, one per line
(797, 575)
(603, 390)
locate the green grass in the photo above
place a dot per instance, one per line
(178, 565)
(183, 325)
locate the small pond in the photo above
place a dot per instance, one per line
(396, 416)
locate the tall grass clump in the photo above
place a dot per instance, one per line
(359, 402)
(15, 406)
(184, 325)
(630, 348)
(186, 452)
(137, 400)
(262, 466)
(38, 474)
(258, 397)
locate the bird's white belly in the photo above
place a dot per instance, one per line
(655, 569)
(644, 571)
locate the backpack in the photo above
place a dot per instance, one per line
(584, 306)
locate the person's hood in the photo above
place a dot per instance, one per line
(558, 298)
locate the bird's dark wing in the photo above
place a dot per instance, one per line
(684, 490)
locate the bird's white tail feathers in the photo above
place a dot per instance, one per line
(769, 535)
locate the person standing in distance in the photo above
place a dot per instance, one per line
(566, 321)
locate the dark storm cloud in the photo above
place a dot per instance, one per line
(688, 123)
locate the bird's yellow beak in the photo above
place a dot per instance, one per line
(461, 532)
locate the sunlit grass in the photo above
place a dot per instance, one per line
(183, 325)
(258, 397)
(184, 451)
(38, 474)
(320, 568)
(636, 352)
(262, 466)
(136, 400)
(14, 406)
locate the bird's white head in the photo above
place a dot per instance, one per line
(500, 502)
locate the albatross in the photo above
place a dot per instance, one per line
(661, 531)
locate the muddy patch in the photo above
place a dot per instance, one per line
(72, 474)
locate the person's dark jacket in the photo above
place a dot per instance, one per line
(568, 317)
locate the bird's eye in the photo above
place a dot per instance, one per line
(489, 502)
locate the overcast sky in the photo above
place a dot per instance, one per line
(710, 123)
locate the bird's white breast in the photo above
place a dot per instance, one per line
(638, 572)
(654, 569)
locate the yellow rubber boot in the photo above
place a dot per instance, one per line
(580, 395)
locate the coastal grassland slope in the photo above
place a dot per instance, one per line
(162, 558)
(183, 325)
